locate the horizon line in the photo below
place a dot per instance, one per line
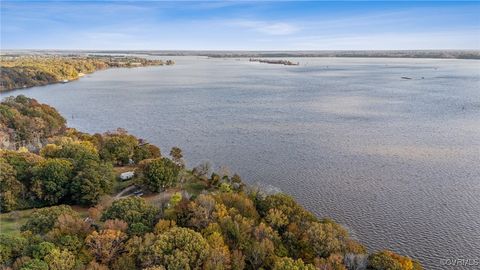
(239, 50)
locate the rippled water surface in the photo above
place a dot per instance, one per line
(396, 161)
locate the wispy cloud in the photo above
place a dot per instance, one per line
(453, 39)
(269, 28)
(244, 25)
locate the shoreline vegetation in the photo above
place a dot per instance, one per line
(434, 54)
(19, 71)
(277, 62)
(440, 54)
(72, 200)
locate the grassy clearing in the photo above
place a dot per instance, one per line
(10, 223)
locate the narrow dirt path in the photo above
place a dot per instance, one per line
(125, 190)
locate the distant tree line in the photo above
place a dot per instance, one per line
(22, 71)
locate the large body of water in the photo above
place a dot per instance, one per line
(396, 161)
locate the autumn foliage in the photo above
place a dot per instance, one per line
(221, 224)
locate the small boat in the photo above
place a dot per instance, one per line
(406, 78)
(64, 81)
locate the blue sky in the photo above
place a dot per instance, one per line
(237, 25)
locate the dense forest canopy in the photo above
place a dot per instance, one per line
(166, 217)
(25, 122)
(21, 71)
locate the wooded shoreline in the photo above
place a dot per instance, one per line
(18, 71)
(175, 218)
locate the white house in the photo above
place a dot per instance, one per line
(127, 175)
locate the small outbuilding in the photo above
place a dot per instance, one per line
(127, 175)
